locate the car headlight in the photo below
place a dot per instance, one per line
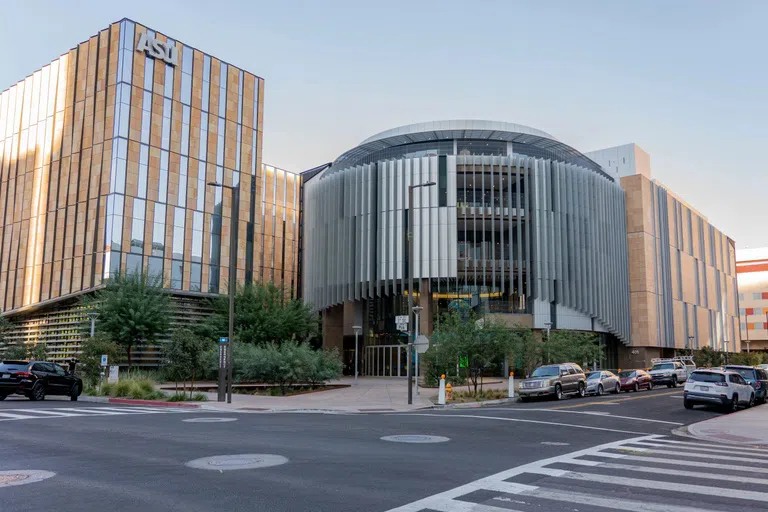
(668, 374)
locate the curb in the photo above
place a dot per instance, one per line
(131, 401)
(476, 405)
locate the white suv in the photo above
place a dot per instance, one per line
(721, 387)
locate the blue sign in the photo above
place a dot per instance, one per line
(104, 360)
(223, 340)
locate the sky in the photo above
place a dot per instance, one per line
(685, 80)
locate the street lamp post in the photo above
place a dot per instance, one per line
(746, 325)
(416, 311)
(690, 345)
(92, 315)
(357, 329)
(548, 326)
(232, 283)
(410, 280)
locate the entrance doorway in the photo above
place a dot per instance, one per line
(386, 361)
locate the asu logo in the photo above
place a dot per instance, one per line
(158, 49)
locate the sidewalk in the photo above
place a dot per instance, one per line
(747, 427)
(372, 394)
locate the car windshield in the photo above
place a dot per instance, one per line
(625, 375)
(663, 366)
(747, 373)
(546, 371)
(593, 376)
(707, 377)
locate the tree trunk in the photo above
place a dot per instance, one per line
(192, 385)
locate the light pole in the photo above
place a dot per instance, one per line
(232, 284)
(690, 345)
(357, 329)
(746, 325)
(410, 279)
(93, 315)
(548, 326)
(416, 311)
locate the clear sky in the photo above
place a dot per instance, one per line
(685, 80)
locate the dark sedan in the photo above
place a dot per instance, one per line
(36, 379)
(635, 380)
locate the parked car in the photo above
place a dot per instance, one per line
(635, 380)
(719, 387)
(755, 377)
(668, 371)
(602, 382)
(36, 379)
(554, 380)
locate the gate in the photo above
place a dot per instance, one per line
(386, 360)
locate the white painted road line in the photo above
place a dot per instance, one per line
(668, 486)
(610, 503)
(82, 412)
(444, 416)
(724, 449)
(9, 416)
(609, 415)
(710, 445)
(710, 456)
(47, 412)
(693, 474)
(696, 463)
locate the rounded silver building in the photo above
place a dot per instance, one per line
(517, 225)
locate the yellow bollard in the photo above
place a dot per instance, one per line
(448, 391)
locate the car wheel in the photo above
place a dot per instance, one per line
(687, 404)
(618, 388)
(599, 390)
(650, 386)
(558, 392)
(582, 390)
(74, 393)
(674, 382)
(637, 387)
(38, 392)
(2, 397)
(524, 399)
(751, 402)
(734, 405)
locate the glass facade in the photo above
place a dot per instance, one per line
(105, 154)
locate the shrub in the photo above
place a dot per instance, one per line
(91, 350)
(140, 389)
(177, 397)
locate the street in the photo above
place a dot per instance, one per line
(613, 452)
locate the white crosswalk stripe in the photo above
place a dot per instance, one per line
(652, 473)
(63, 412)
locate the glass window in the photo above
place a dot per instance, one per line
(195, 279)
(200, 203)
(117, 223)
(203, 151)
(162, 194)
(146, 117)
(181, 197)
(143, 168)
(158, 231)
(197, 236)
(213, 279)
(220, 142)
(149, 69)
(133, 264)
(168, 86)
(178, 233)
(155, 268)
(442, 181)
(757, 296)
(177, 268)
(137, 227)
(165, 142)
(119, 156)
(185, 112)
(114, 263)
(223, 90)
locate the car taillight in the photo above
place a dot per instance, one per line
(23, 374)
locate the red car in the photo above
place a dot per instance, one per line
(635, 380)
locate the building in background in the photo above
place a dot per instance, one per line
(519, 226)
(104, 158)
(752, 271)
(682, 270)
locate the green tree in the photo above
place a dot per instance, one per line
(526, 350)
(321, 365)
(37, 351)
(91, 350)
(5, 327)
(571, 346)
(263, 314)
(133, 310)
(15, 352)
(480, 343)
(185, 355)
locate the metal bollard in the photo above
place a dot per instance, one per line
(511, 384)
(441, 393)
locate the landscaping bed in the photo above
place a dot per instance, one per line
(265, 389)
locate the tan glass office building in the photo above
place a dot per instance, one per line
(105, 154)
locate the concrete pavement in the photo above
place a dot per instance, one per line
(747, 427)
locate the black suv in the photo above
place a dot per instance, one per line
(35, 379)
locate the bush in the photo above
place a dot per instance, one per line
(91, 350)
(140, 389)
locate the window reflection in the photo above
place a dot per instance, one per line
(197, 236)
(177, 270)
(181, 198)
(195, 278)
(146, 117)
(168, 86)
(158, 231)
(178, 233)
(155, 268)
(185, 112)
(162, 194)
(137, 228)
(133, 264)
(143, 167)
(165, 142)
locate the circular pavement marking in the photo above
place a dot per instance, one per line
(21, 477)
(415, 439)
(209, 420)
(555, 443)
(239, 461)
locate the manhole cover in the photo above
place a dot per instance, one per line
(415, 439)
(8, 478)
(241, 461)
(209, 420)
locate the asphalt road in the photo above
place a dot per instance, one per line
(575, 454)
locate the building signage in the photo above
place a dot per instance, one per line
(158, 49)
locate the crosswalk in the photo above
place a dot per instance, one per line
(65, 412)
(651, 473)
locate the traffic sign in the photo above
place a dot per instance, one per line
(421, 344)
(401, 322)
(104, 360)
(224, 340)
